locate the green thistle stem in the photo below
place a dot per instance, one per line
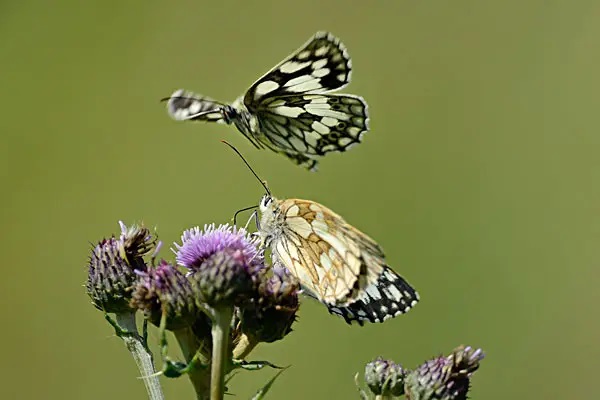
(190, 347)
(127, 330)
(220, 351)
(383, 397)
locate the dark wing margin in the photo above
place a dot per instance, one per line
(321, 65)
(387, 298)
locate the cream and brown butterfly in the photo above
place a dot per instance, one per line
(334, 262)
(289, 110)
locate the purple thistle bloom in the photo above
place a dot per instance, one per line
(198, 245)
(165, 289)
(109, 277)
(444, 378)
(112, 266)
(225, 263)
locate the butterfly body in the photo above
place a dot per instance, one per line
(334, 262)
(289, 110)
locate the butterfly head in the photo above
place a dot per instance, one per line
(268, 226)
(266, 203)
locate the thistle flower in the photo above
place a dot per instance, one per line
(385, 377)
(165, 290)
(444, 378)
(137, 242)
(109, 277)
(269, 315)
(224, 262)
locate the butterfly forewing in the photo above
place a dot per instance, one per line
(320, 65)
(334, 262)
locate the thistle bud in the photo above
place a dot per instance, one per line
(385, 377)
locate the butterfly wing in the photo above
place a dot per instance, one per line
(339, 265)
(313, 124)
(321, 65)
(188, 106)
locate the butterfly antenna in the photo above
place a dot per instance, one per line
(242, 210)
(249, 167)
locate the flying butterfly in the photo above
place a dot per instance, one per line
(333, 261)
(289, 110)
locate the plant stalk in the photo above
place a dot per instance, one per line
(220, 351)
(140, 353)
(190, 346)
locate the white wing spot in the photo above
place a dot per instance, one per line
(181, 114)
(341, 77)
(286, 111)
(300, 226)
(319, 73)
(293, 66)
(194, 108)
(353, 131)
(373, 292)
(293, 211)
(317, 100)
(298, 144)
(321, 51)
(329, 121)
(394, 292)
(326, 112)
(266, 87)
(319, 64)
(303, 83)
(319, 127)
(345, 141)
(303, 55)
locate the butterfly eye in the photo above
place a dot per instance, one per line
(266, 201)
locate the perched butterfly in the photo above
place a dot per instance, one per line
(333, 261)
(289, 109)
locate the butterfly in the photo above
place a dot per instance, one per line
(334, 262)
(289, 110)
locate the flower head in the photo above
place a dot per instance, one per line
(224, 262)
(165, 290)
(198, 245)
(385, 377)
(109, 277)
(270, 314)
(444, 378)
(137, 242)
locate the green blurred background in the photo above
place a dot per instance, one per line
(480, 178)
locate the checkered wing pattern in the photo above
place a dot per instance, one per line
(290, 109)
(334, 262)
(188, 106)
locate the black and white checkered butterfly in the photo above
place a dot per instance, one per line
(290, 110)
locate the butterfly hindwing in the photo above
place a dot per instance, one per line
(313, 124)
(389, 296)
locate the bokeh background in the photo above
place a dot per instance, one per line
(480, 178)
